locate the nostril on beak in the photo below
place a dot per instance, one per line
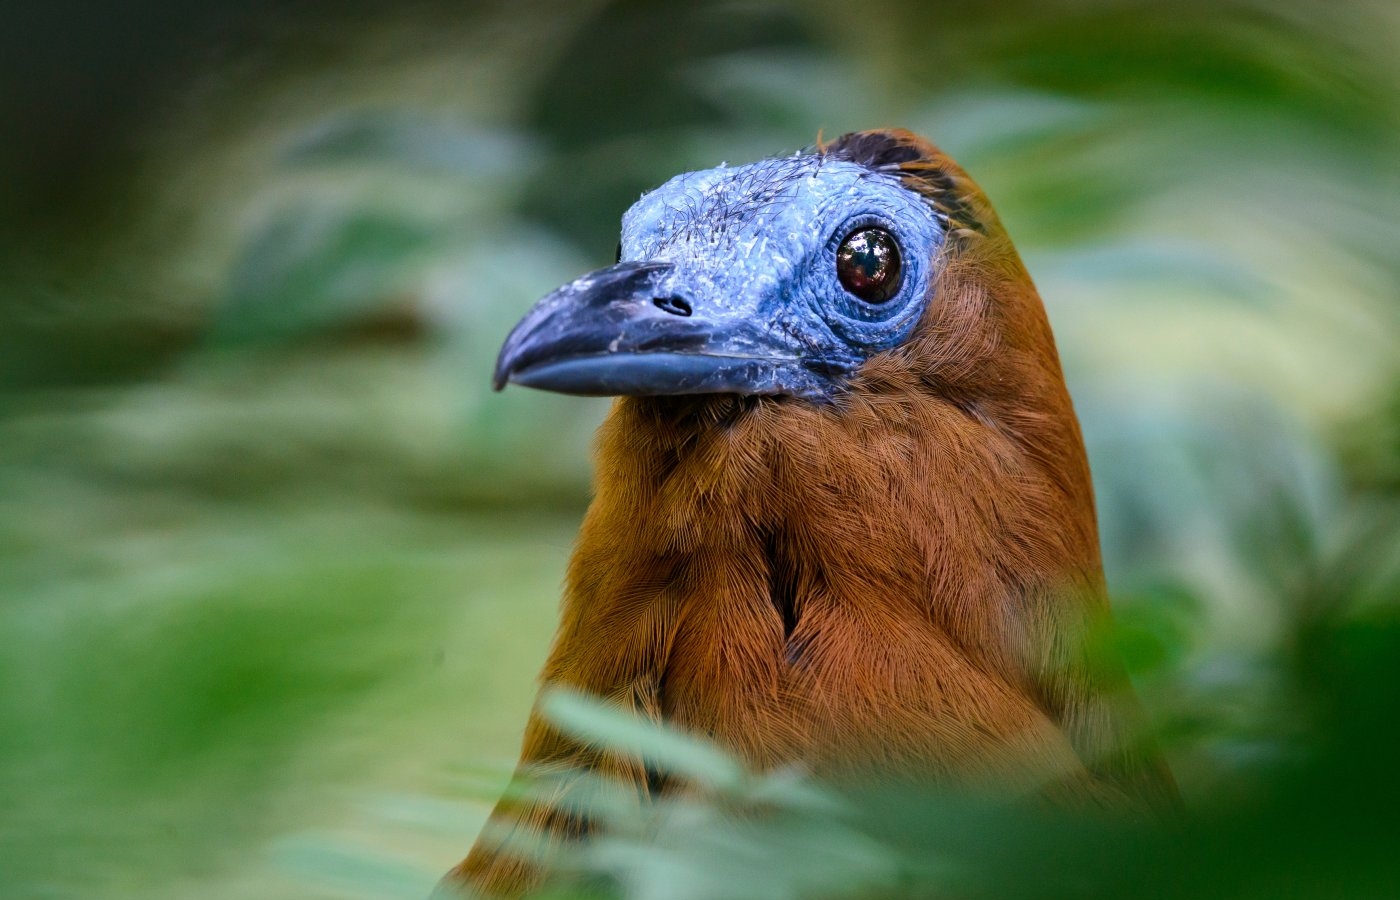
(676, 306)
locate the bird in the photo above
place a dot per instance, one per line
(842, 514)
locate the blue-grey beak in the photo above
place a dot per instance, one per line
(637, 329)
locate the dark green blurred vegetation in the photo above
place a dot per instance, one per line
(277, 569)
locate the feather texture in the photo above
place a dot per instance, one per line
(903, 580)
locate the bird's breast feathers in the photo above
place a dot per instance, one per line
(843, 514)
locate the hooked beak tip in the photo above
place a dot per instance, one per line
(623, 331)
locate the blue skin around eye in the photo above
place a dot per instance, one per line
(759, 242)
(728, 284)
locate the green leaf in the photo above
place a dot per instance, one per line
(409, 140)
(315, 268)
(666, 748)
(352, 870)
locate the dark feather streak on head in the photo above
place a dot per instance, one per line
(897, 153)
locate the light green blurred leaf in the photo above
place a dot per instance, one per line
(317, 268)
(669, 750)
(404, 139)
(355, 872)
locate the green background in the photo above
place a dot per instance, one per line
(277, 568)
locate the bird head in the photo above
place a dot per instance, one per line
(786, 278)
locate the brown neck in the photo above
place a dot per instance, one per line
(922, 500)
(947, 489)
(756, 530)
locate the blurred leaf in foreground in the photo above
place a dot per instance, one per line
(1320, 823)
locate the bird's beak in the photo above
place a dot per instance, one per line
(638, 329)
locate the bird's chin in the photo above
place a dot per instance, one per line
(668, 373)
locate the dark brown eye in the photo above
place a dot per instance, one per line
(867, 263)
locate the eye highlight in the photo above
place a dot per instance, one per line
(868, 264)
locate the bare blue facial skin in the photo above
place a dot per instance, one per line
(727, 283)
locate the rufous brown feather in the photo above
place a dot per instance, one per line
(905, 580)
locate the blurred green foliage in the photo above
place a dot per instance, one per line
(277, 568)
